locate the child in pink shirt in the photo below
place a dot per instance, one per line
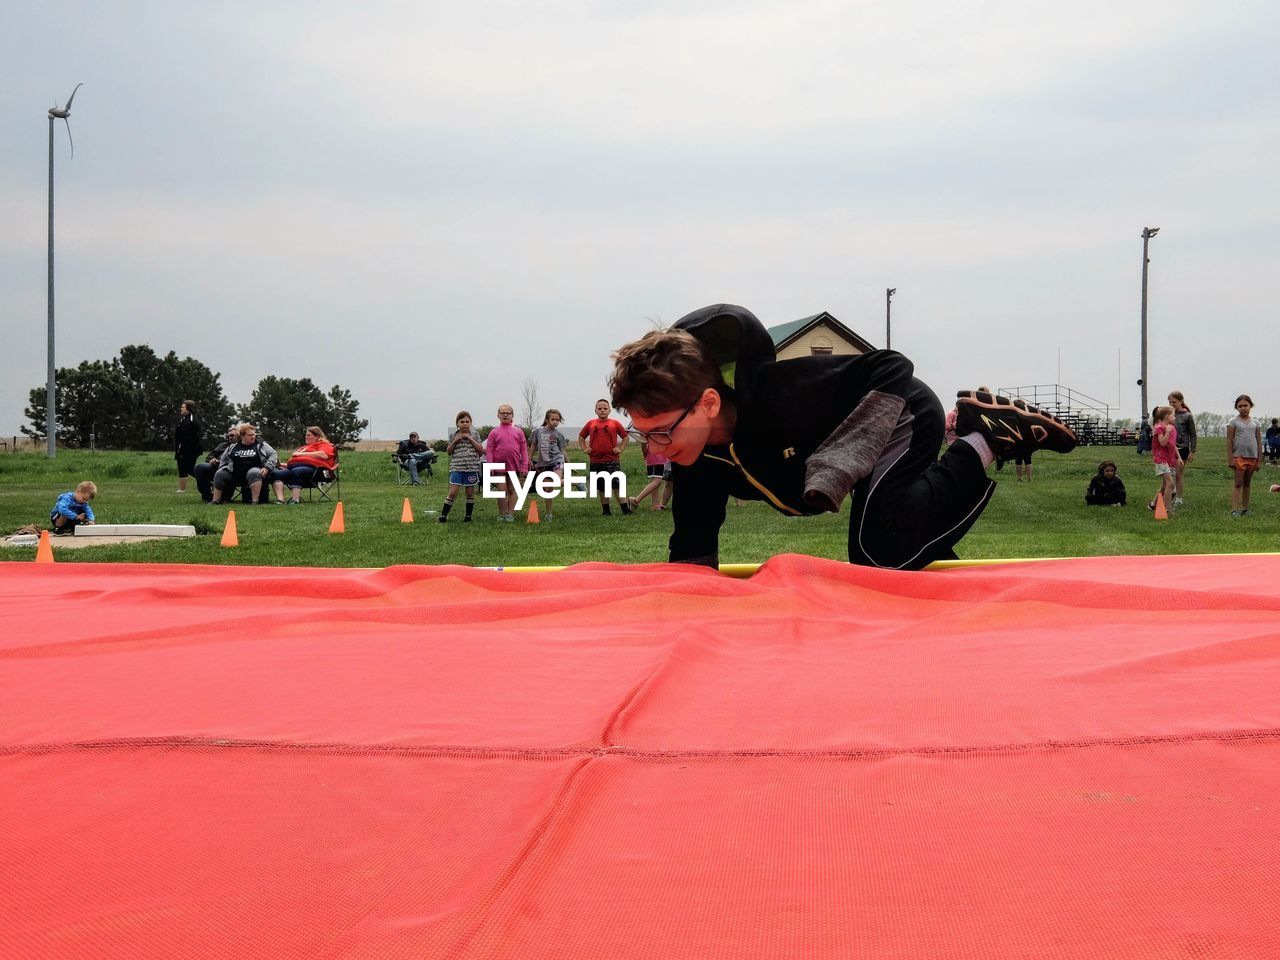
(506, 445)
(1164, 454)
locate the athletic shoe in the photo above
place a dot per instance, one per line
(443, 520)
(279, 503)
(1177, 501)
(1151, 505)
(1010, 427)
(1235, 513)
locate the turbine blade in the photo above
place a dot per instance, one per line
(73, 95)
(73, 143)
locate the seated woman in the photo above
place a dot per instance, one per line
(315, 454)
(1106, 489)
(246, 463)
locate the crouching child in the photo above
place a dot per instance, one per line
(807, 434)
(73, 510)
(1106, 489)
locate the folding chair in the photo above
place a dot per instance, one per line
(326, 483)
(425, 469)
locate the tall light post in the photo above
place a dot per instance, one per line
(888, 316)
(50, 395)
(1147, 234)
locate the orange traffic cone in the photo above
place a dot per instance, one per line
(229, 536)
(1161, 512)
(337, 525)
(44, 552)
(533, 512)
(406, 515)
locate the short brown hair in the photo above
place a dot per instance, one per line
(663, 370)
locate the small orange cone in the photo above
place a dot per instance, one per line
(533, 512)
(337, 524)
(229, 536)
(44, 552)
(1161, 512)
(406, 515)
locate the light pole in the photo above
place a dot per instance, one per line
(888, 316)
(50, 393)
(1147, 234)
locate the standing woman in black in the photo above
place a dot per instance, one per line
(188, 442)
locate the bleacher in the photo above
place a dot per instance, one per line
(1088, 416)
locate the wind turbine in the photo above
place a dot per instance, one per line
(64, 114)
(50, 397)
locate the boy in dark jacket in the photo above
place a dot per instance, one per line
(1106, 489)
(804, 434)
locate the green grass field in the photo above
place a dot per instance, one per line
(1045, 518)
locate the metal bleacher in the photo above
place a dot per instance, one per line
(1088, 416)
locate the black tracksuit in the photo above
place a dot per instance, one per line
(809, 431)
(1105, 493)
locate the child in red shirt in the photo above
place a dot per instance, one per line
(603, 439)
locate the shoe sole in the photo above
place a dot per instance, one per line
(1047, 431)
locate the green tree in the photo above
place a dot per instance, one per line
(282, 408)
(162, 384)
(344, 424)
(131, 402)
(96, 405)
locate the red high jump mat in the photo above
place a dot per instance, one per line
(1069, 759)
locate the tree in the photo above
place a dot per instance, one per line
(96, 405)
(131, 401)
(162, 384)
(282, 408)
(344, 424)
(529, 404)
(1210, 424)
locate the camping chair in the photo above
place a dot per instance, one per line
(326, 483)
(425, 469)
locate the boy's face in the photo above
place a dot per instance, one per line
(602, 410)
(689, 438)
(81, 497)
(1109, 473)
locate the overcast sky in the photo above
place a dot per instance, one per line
(429, 202)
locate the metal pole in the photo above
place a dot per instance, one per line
(1146, 240)
(888, 316)
(1147, 234)
(50, 395)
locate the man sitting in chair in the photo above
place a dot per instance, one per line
(412, 455)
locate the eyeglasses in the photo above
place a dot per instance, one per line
(659, 438)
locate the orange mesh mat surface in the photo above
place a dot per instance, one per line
(1069, 759)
